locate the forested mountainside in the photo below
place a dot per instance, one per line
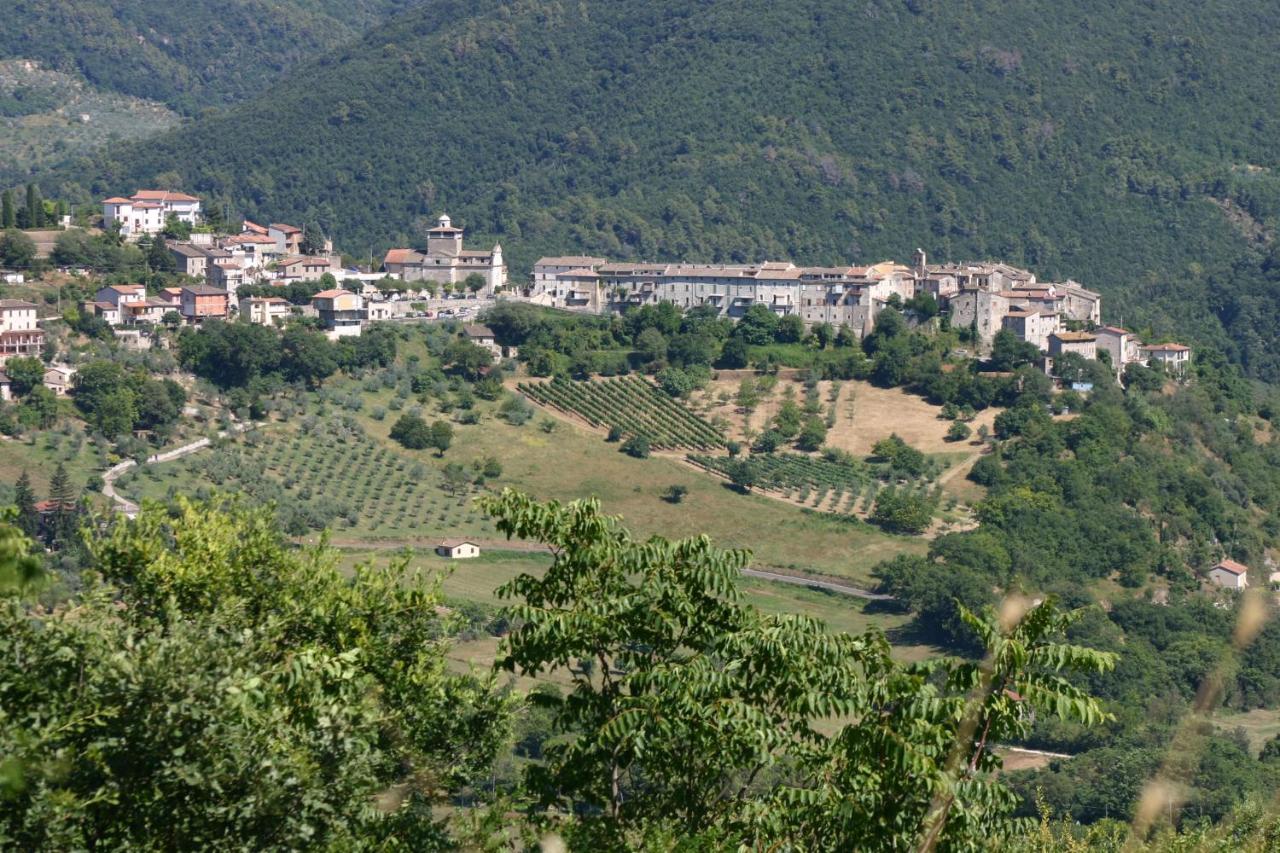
(1129, 146)
(190, 54)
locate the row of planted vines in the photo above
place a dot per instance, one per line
(841, 486)
(630, 404)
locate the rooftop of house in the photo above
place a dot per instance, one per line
(332, 294)
(284, 228)
(204, 290)
(478, 331)
(16, 305)
(401, 256)
(1229, 565)
(454, 543)
(1112, 330)
(117, 200)
(1166, 348)
(186, 249)
(304, 260)
(1074, 337)
(162, 196)
(253, 228)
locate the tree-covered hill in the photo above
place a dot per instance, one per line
(1130, 146)
(189, 54)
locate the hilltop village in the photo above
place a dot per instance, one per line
(248, 274)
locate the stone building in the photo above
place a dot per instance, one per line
(445, 260)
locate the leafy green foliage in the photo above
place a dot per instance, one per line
(681, 698)
(186, 56)
(217, 688)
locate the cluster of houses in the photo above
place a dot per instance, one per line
(274, 255)
(1057, 317)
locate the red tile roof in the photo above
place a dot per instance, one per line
(1231, 566)
(162, 195)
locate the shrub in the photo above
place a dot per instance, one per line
(637, 446)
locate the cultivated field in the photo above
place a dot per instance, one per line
(367, 488)
(631, 404)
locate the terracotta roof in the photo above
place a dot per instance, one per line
(16, 304)
(117, 200)
(54, 506)
(401, 256)
(162, 195)
(250, 238)
(255, 227)
(287, 229)
(125, 288)
(1114, 330)
(1231, 566)
(332, 294)
(1074, 337)
(1166, 348)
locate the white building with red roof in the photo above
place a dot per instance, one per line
(1175, 357)
(146, 211)
(1230, 574)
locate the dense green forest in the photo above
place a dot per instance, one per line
(1126, 146)
(191, 55)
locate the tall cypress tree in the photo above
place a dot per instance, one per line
(66, 510)
(25, 498)
(8, 216)
(35, 207)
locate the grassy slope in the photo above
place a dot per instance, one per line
(570, 462)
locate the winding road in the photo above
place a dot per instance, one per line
(127, 507)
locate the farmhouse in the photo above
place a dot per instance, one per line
(458, 549)
(1230, 574)
(57, 378)
(444, 260)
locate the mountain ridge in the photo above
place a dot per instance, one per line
(1086, 142)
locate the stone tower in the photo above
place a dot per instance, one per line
(444, 240)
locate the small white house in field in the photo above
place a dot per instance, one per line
(1230, 574)
(458, 549)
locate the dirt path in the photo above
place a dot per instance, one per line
(129, 508)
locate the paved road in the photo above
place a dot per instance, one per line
(831, 586)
